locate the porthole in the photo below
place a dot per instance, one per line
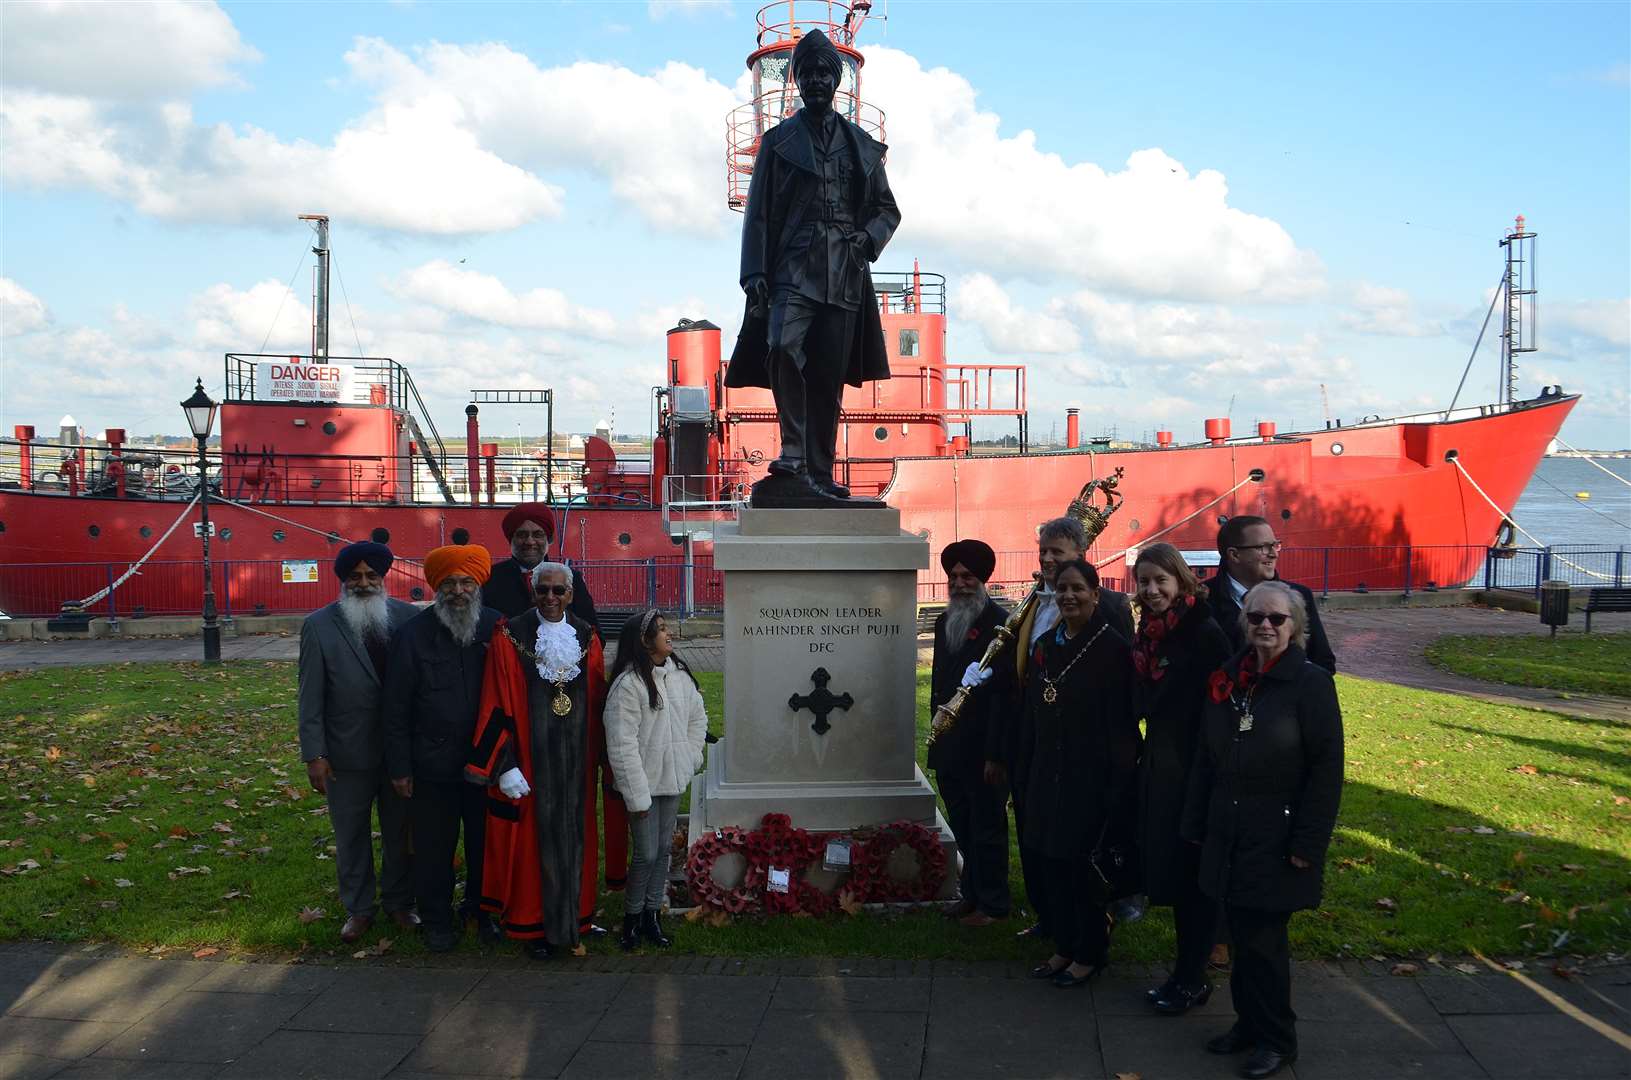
(623, 539)
(1132, 526)
(95, 530)
(880, 433)
(146, 531)
(1337, 448)
(416, 593)
(226, 534)
(278, 535)
(1285, 515)
(2, 526)
(329, 428)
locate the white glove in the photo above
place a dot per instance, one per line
(514, 785)
(975, 675)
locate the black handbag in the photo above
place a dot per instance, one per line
(1116, 865)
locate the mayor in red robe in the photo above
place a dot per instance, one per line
(537, 738)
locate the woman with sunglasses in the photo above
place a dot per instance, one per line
(655, 729)
(1262, 803)
(1176, 649)
(1081, 765)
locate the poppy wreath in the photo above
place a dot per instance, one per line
(870, 880)
(776, 843)
(699, 871)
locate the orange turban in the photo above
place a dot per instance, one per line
(468, 559)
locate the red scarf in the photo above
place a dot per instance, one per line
(1221, 685)
(1153, 632)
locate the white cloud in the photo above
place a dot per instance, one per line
(662, 9)
(1385, 311)
(153, 51)
(226, 319)
(1159, 330)
(1015, 208)
(1606, 321)
(20, 310)
(485, 298)
(1008, 329)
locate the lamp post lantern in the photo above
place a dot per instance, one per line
(200, 412)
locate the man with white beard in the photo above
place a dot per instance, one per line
(966, 758)
(342, 738)
(432, 690)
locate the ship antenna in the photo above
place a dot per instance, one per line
(319, 314)
(1518, 287)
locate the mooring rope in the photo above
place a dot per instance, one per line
(1183, 521)
(135, 567)
(1506, 517)
(1592, 462)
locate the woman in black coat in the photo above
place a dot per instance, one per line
(1082, 764)
(1263, 801)
(1177, 648)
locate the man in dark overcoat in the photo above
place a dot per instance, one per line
(819, 212)
(967, 757)
(342, 736)
(1249, 553)
(530, 529)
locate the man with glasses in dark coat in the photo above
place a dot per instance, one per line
(1250, 554)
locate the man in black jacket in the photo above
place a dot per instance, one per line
(819, 211)
(966, 758)
(530, 529)
(432, 692)
(1250, 554)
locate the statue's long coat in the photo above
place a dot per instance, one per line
(781, 198)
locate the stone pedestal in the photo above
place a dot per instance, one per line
(819, 605)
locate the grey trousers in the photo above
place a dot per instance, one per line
(351, 798)
(651, 839)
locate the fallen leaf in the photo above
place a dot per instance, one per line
(1387, 903)
(115, 856)
(1527, 770)
(360, 954)
(235, 894)
(49, 914)
(1573, 868)
(1433, 958)
(1519, 857)
(310, 914)
(122, 883)
(1468, 969)
(849, 902)
(1621, 800)
(1514, 898)
(580, 950)
(221, 827)
(208, 950)
(1403, 969)
(1514, 965)
(53, 753)
(1483, 830)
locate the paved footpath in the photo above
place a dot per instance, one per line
(70, 1015)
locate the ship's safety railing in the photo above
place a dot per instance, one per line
(694, 504)
(745, 127)
(678, 584)
(788, 20)
(95, 469)
(910, 292)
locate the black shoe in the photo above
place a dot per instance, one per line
(488, 930)
(651, 928)
(1265, 1062)
(441, 938)
(1182, 999)
(1064, 980)
(1232, 1041)
(1164, 990)
(1033, 930)
(828, 486)
(629, 939)
(1045, 970)
(592, 930)
(539, 950)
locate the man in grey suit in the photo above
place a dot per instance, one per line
(342, 737)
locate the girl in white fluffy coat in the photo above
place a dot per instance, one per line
(655, 729)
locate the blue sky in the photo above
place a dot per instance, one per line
(1156, 207)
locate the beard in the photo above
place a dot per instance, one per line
(458, 615)
(366, 613)
(961, 611)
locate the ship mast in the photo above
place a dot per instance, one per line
(319, 315)
(1518, 288)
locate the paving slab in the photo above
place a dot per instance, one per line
(542, 987)
(987, 1027)
(203, 1028)
(393, 1001)
(1114, 996)
(1539, 1046)
(1165, 1046)
(117, 1069)
(29, 1066)
(113, 989)
(505, 1038)
(1386, 1000)
(716, 1010)
(805, 994)
(66, 1039)
(674, 1061)
(825, 1044)
(1493, 992)
(234, 978)
(1343, 1050)
(321, 1055)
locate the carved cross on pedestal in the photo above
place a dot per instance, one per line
(821, 702)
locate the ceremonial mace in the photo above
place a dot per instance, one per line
(1093, 519)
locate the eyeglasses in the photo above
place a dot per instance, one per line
(1267, 549)
(1275, 618)
(553, 590)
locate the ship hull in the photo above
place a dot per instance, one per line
(1328, 494)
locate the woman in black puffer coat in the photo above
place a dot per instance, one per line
(1177, 648)
(1263, 800)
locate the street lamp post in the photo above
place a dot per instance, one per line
(200, 412)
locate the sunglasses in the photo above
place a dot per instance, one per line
(552, 590)
(1275, 618)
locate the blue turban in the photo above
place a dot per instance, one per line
(377, 556)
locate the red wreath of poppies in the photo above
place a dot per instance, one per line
(699, 871)
(869, 864)
(776, 843)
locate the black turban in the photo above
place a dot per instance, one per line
(814, 48)
(976, 555)
(377, 556)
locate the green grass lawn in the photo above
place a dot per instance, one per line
(166, 805)
(1593, 663)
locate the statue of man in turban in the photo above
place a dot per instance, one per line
(819, 212)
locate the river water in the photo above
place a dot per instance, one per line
(1549, 509)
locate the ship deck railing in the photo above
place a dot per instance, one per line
(687, 584)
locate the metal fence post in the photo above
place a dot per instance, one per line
(1619, 564)
(1545, 573)
(226, 589)
(1407, 568)
(113, 612)
(1325, 575)
(651, 582)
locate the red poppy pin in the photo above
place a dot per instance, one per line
(1220, 685)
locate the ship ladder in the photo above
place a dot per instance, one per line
(430, 459)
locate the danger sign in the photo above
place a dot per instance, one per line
(293, 380)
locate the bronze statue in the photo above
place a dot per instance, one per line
(819, 211)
